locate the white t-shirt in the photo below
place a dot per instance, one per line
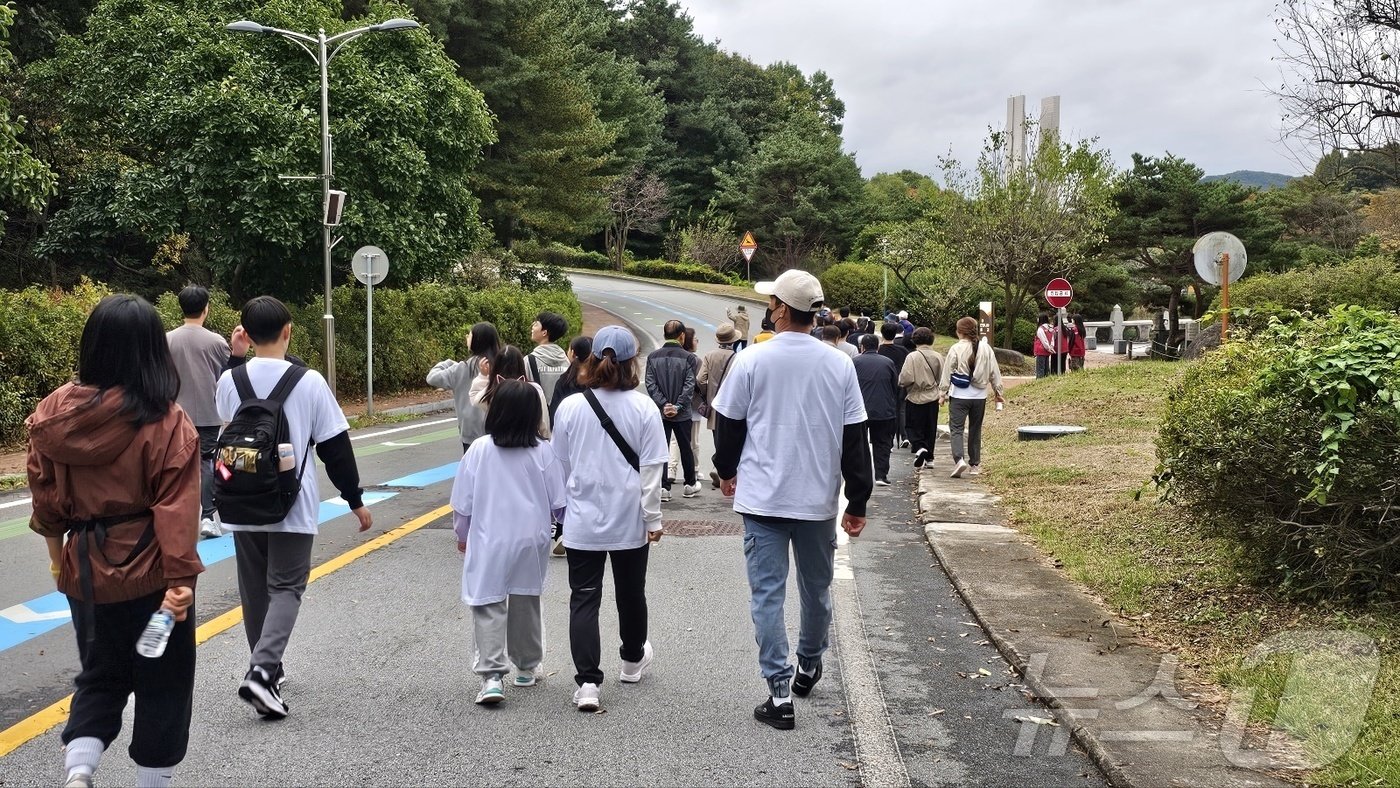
(605, 494)
(312, 414)
(510, 495)
(797, 394)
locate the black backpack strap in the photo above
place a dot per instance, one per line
(288, 381)
(611, 429)
(243, 384)
(534, 368)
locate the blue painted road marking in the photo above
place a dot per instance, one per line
(425, 478)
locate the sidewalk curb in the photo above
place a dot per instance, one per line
(971, 537)
(421, 409)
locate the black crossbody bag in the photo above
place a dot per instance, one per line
(611, 429)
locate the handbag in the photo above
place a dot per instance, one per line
(964, 379)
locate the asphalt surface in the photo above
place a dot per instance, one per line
(380, 681)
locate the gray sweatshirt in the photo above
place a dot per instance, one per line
(551, 361)
(457, 376)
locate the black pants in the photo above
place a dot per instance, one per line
(208, 447)
(681, 431)
(740, 344)
(922, 422)
(112, 670)
(881, 441)
(901, 431)
(629, 568)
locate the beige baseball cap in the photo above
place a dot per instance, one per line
(797, 289)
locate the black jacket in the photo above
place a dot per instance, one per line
(671, 379)
(879, 385)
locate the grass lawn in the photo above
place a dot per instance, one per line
(1077, 497)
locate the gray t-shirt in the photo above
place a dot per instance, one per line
(200, 355)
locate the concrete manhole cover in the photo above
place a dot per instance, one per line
(688, 528)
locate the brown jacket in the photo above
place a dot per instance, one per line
(920, 374)
(87, 460)
(713, 369)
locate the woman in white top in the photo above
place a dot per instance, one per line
(509, 364)
(969, 369)
(614, 486)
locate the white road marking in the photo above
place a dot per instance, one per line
(21, 614)
(394, 443)
(16, 502)
(401, 429)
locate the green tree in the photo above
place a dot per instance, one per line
(1314, 222)
(1163, 208)
(26, 183)
(799, 193)
(188, 128)
(1024, 224)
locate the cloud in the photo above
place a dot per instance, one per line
(921, 78)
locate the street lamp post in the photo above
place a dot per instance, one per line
(323, 54)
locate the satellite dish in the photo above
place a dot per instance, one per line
(1211, 254)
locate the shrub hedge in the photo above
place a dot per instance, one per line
(660, 269)
(1368, 281)
(414, 328)
(557, 254)
(1289, 443)
(861, 286)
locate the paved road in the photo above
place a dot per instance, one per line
(381, 689)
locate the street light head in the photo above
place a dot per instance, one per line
(396, 24)
(245, 26)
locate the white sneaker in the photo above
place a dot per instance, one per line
(526, 678)
(209, 529)
(631, 672)
(665, 495)
(959, 468)
(491, 692)
(586, 697)
(691, 490)
(79, 781)
(975, 470)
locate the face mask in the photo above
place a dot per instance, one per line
(768, 316)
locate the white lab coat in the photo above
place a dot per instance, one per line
(504, 502)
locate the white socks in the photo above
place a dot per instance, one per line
(154, 778)
(81, 755)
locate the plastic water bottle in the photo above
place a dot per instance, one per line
(156, 635)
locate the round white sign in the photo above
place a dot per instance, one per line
(370, 265)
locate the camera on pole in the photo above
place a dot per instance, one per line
(335, 206)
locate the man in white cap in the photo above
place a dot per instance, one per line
(790, 424)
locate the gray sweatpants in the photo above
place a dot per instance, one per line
(508, 631)
(272, 572)
(969, 412)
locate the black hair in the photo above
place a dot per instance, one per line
(513, 420)
(845, 311)
(673, 329)
(830, 333)
(868, 342)
(123, 344)
(264, 318)
(688, 342)
(768, 325)
(507, 365)
(485, 341)
(579, 352)
(553, 324)
(846, 325)
(922, 336)
(1042, 319)
(193, 301)
(799, 318)
(889, 331)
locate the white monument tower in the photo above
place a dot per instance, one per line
(1016, 123)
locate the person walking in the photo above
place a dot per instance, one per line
(547, 362)
(274, 560)
(790, 425)
(920, 376)
(713, 369)
(508, 492)
(114, 464)
(507, 365)
(483, 343)
(896, 353)
(697, 406)
(971, 370)
(1044, 347)
(613, 446)
(905, 326)
(568, 382)
(832, 335)
(878, 378)
(767, 333)
(670, 380)
(739, 319)
(200, 355)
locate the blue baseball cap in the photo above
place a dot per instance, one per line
(617, 339)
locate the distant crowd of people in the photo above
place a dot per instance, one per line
(167, 436)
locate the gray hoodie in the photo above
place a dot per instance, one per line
(456, 376)
(550, 361)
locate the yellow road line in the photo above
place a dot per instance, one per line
(41, 722)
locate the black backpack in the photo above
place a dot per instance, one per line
(248, 487)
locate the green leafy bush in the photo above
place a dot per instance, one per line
(1368, 281)
(862, 286)
(561, 256)
(660, 269)
(1289, 442)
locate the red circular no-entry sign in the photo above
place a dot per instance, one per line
(1058, 293)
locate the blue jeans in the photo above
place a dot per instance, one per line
(766, 554)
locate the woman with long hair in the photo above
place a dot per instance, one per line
(568, 384)
(508, 364)
(613, 448)
(456, 376)
(114, 467)
(970, 373)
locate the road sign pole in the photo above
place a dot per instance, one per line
(1224, 297)
(369, 349)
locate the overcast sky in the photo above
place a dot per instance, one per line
(921, 77)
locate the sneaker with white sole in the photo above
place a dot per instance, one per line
(691, 490)
(959, 469)
(209, 529)
(526, 678)
(665, 495)
(921, 458)
(631, 672)
(882, 482)
(259, 690)
(559, 550)
(491, 692)
(79, 781)
(975, 470)
(586, 697)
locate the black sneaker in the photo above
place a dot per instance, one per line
(802, 684)
(260, 691)
(779, 716)
(921, 457)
